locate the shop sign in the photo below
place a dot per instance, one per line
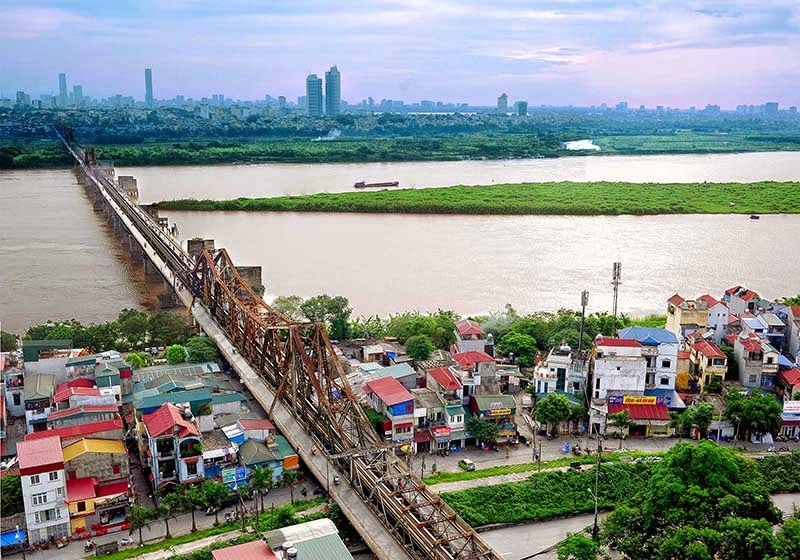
(630, 399)
(499, 412)
(791, 407)
(440, 431)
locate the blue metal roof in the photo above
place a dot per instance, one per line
(11, 538)
(648, 336)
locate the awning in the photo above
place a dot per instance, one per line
(12, 538)
(456, 435)
(641, 411)
(421, 437)
(39, 420)
(403, 425)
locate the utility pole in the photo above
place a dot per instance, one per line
(616, 281)
(597, 486)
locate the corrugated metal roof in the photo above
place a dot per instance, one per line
(329, 547)
(641, 411)
(256, 550)
(77, 431)
(649, 336)
(389, 390)
(39, 386)
(37, 453)
(165, 418)
(91, 445)
(485, 402)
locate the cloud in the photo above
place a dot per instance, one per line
(22, 23)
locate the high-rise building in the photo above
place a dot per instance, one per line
(282, 104)
(502, 104)
(522, 108)
(314, 95)
(62, 90)
(77, 95)
(333, 91)
(771, 108)
(148, 87)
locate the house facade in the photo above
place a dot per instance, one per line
(660, 351)
(718, 317)
(388, 397)
(618, 368)
(172, 446)
(44, 490)
(685, 316)
(707, 362)
(757, 361)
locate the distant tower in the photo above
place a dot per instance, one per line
(62, 90)
(282, 104)
(314, 95)
(616, 280)
(77, 95)
(502, 104)
(333, 91)
(148, 87)
(522, 108)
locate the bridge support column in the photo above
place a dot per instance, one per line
(151, 272)
(137, 254)
(252, 275)
(196, 246)
(168, 299)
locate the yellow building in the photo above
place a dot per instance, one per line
(682, 372)
(707, 361)
(685, 316)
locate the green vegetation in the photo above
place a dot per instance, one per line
(176, 354)
(552, 410)
(689, 142)
(651, 321)
(11, 490)
(8, 341)
(483, 430)
(752, 414)
(602, 198)
(201, 349)
(419, 347)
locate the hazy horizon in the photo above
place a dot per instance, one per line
(556, 52)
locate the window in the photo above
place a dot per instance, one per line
(72, 475)
(709, 361)
(597, 383)
(35, 479)
(191, 469)
(666, 363)
(619, 368)
(115, 469)
(47, 515)
(39, 499)
(752, 378)
(17, 399)
(770, 359)
(664, 381)
(54, 475)
(81, 506)
(59, 491)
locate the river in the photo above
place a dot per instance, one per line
(58, 259)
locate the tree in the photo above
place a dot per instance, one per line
(215, 494)
(176, 354)
(746, 539)
(290, 477)
(754, 413)
(578, 547)
(289, 306)
(137, 360)
(133, 328)
(679, 421)
(167, 328)
(622, 422)
(733, 365)
(139, 518)
(261, 481)
(787, 541)
(419, 347)
(482, 430)
(8, 341)
(701, 417)
(333, 311)
(193, 498)
(523, 346)
(202, 349)
(552, 410)
(11, 491)
(697, 499)
(794, 300)
(168, 505)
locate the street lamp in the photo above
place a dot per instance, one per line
(594, 527)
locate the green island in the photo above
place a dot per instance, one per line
(565, 198)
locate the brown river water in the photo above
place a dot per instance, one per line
(58, 259)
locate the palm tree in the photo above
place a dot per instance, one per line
(260, 481)
(214, 493)
(621, 421)
(290, 477)
(139, 517)
(168, 505)
(193, 499)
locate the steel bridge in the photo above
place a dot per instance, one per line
(292, 370)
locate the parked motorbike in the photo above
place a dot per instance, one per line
(211, 510)
(126, 542)
(89, 545)
(336, 481)
(576, 450)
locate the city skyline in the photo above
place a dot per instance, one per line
(558, 53)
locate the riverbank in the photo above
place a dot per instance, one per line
(563, 198)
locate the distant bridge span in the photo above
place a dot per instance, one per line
(293, 372)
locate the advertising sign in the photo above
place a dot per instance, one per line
(440, 431)
(499, 412)
(791, 407)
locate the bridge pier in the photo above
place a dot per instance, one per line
(151, 272)
(252, 276)
(168, 299)
(197, 245)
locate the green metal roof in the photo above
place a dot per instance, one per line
(455, 409)
(486, 401)
(195, 398)
(88, 360)
(105, 369)
(284, 448)
(329, 547)
(254, 453)
(226, 398)
(31, 348)
(39, 386)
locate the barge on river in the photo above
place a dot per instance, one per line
(363, 185)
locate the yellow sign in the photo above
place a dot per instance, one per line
(638, 400)
(499, 412)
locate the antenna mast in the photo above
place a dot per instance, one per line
(616, 281)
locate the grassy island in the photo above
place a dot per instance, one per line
(534, 198)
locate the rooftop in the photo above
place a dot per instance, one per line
(487, 402)
(253, 424)
(426, 398)
(471, 359)
(649, 336)
(389, 390)
(152, 372)
(255, 453)
(396, 371)
(91, 445)
(38, 453)
(164, 419)
(39, 386)
(617, 343)
(76, 391)
(255, 550)
(78, 431)
(468, 327)
(445, 378)
(708, 349)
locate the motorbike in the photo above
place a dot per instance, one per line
(772, 449)
(576, 450)
(336, 481)
(89, 545)
(126, 542)
(211, 510)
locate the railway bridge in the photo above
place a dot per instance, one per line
(293, 372)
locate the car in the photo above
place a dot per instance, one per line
(466, 464)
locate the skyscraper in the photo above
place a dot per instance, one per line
(502, 104)
(522, 108)
(148, 87)
(77, 95)
(62, 90)
(333, 91)
(282, 104)
(314, 95)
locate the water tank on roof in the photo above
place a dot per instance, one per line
(565, 348)
(291, 554)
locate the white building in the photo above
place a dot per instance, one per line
(470, 337)
(660, 350)
(619, 368)
(41, 469)
(553, 373)
(757, 361)
(793, 333)
(717, 317)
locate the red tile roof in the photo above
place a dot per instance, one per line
(113, 489)
(471, 359)
(791, 376)
(709, 301)
(74, 391)
(748, 295)
(641, 411)
(446, 379)
(389, 390)
(676, 300)
(80, 489)
(683, 354)
(256, 550)
(81, 410)
(751, 345)
(617, 342)
(78, 431)
(255, 424)
(44, 451)
(465, 326)
(795, 311)
(730, 291)
(708, 349)
(693, 335)
(165, 419)
(80, 382)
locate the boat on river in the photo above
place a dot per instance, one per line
(363, 185)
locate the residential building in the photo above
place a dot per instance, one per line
(428, 413)
(402, 372)
(254, 550)
(388, 397)
(792, 341)
(686, 316)
(757, 361)
(707, 362)
(741, 300)
(502, 104)
(471, 337)
(314, 96)
(660, 350)
(311, 540)
(718, 317)
(619, 368)
(478, 373)
(39, 391)
(776, 330)
(14, 386)
(559, 371)
(788, 384)
(499, 410)
(446, 382)
(522, 108)
(649, 414)
(254, 454)
(44, 489)
(172, 446)
(333, 91)
(682, 372)
(790, 419)
(108, 429)
(148, 87)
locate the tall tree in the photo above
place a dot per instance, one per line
(262, 480)
(11, 491)
(289, 306)
(8, 341)
(201, 349)
(701, 417)
(139, 518)
(552, 410)
(176, 354)
(522, 345)
(754, 413)
(193, 498)
(622, 422)
(482, 430)
(215, 494)
(419, 347)
(290, 477)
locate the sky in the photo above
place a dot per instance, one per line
(556, 52)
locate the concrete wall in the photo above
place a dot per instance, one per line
(619, 376)
(100, 465)
(718, 320)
